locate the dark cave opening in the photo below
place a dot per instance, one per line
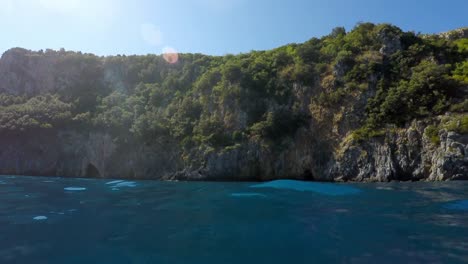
(92, 171)
(308, 176)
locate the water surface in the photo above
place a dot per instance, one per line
(56, 220)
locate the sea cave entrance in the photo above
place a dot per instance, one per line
(308, 176)
(92, 171)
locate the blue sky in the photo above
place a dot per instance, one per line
(106, 27)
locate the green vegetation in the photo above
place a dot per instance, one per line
(460, 107)
(41, 112)
(426, 93)
(366, 132)
(432, 132)
(457, 123)
(461, 72)
(218, 103)
(278, 124)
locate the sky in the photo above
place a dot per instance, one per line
(216, 27)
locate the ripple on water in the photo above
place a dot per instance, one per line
(125, 184)
(247, 195)
(322, 188)
(40, 218)
(341, 210)
(458, 205)
(114, 182)
(117, 184)
(74, 189)
(384, 188)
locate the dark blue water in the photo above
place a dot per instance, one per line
(52, 220)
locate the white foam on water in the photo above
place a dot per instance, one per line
(385, 188)
(247, 195)
(125, 184)
(341, 210)
(114, 182)
(72, 210)
(331, 189)
(40, 218)
(115, 185)
(59, 213)
(74, 189)
(47, 181)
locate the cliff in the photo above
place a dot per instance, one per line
(404, 155)
(372, 104)
(94, 154)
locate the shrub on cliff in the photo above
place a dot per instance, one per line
(40, 112)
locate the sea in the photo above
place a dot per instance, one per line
(62, 220)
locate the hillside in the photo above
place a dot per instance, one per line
(371, 104)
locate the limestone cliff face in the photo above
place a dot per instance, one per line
(83, 154)
(400, 155)
(23, 72)
(299, 159)
(406, 154)
(456, 34)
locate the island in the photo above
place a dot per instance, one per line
(372, 104)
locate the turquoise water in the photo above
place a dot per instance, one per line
(55, 220)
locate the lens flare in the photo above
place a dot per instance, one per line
(170, 55)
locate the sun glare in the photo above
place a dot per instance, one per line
(170, 55)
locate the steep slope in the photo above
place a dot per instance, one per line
(372, 104)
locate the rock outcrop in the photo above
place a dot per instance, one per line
(456, 34)
(404, 155)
